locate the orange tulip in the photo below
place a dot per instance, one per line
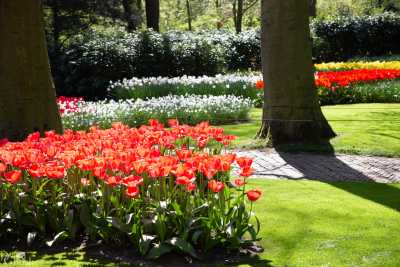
(215, 186)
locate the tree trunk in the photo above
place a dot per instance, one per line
(27, 95)
(313, 8)
(131, 14)
(291, 110)
(153, 14)
(239, 16)
(234, 12)
(189, 15)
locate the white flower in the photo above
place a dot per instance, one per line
(225, 108)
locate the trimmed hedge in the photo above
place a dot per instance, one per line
(343, 38)
(92, 60)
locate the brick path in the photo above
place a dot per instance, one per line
(271, 164)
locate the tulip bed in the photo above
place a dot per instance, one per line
(333, 66)
(159, 189)
(334, 87)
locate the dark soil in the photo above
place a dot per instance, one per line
(98, 254)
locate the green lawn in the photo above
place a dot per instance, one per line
(309, 223)
(361, 128)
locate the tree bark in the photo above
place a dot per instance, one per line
(189, 15)
(313, 8)
(153, 14)
(27, 95)
(291, 110)
(239, 16)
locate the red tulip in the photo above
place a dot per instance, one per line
(36, 171)
(190, 187)
(244, 162)
(254, 194)
(215, 186)
(13, 177)
(140, 166)
(55, 172)
(154, 171)
(183, 154)
(132, 181)
(173, 123)
(260, 84)
(132, 192)
(239, 182)
(246, 172)
(113, 180)
(183, 180)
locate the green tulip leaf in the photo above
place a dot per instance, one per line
(159, 250)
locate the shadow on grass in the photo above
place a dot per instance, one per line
(102, 255)
(388, 195)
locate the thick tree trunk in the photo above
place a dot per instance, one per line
(291, 109)
(153, 14)
(27, 95)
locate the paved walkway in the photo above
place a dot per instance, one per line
(270, 164)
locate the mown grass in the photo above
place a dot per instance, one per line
(305, 223)
(371, 129)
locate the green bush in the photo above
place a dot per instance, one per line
(90, 61)
(93, 59)
(244, 51)
(346, 37)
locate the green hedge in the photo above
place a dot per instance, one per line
(90, 61)
(344, 38)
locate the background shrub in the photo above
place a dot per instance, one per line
(346, 37)
(88, 62)
(92, 60)
(244, 51)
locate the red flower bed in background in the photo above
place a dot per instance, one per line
(332, 79)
